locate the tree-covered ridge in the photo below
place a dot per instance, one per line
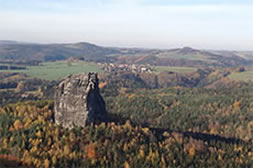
(226, 112)
(29, 135)
(201, 78)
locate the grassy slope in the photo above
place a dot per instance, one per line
(174, 69)
(56, 70)
(242, 76)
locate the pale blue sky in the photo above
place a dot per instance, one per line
(209, 24)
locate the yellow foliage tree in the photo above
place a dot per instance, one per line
(236, 105)
(72, 137)
(66, 150)
(5, 143)
(46, 163)
(39, 134)
(192, 151)
(141, 154)
(18, 125)
(28, 122)
(126, 165)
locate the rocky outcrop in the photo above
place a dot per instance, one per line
(78, 101)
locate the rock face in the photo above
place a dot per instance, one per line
(78, 101)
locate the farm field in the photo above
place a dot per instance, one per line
(195, 56)
(242, 76)
(57, 70)
(159, 69)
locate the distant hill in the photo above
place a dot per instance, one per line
(19, 51)
(53, 52)
(186, 57)
(244, 54)
(8, 42)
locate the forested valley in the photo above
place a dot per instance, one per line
(201, 119)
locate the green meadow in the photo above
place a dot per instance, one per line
(57, 70)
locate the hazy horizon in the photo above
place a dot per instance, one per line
(121, 46)
(209, 24)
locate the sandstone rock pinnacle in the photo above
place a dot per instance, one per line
(78, 101)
